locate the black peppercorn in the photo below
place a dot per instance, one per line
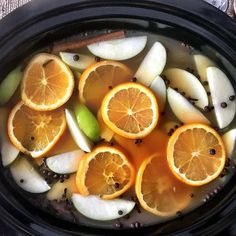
(212, 151)
(223, 104)
(21, 180)
(231, 98)
(208, 93)
(76, 57)
(205, 83)
(134, 79)
(120, 212)
(117, 185)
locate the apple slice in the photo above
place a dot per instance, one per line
(97, 209)
(158, 86)
(65, 163)
(8, 151)
(221, 93)
(152, 64)
(9, 85)
(79, 137)
(229, 139)
(76, 60)
(58, 189)
(188, 83)
(183, 109)
(27, 177)
(201, 63)
(119, 49)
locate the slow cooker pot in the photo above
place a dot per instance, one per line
(40, 23)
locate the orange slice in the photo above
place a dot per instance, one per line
(196, 154)
(130, 110)
(106, 172)
(35, 132)
(98, 79)
(158, 191)
(47, 83)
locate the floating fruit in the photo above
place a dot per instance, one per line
(35, 132)
(152, 64)
(183, 109)
(65, 163)
(8, 151)
(101, 77)
(222, 95)
(106, 172)
(188, 84)
(9, 85)
(229, 139)
(87, 122)
(196, 154)
(27, 177)
(98, 209)
(130, 110)
(158, 191)
(119, 49)
(78, 135)
(201, 63)
(158, 86)
(47, 83)
(76, 60)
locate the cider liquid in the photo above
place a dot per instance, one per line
(177, 56)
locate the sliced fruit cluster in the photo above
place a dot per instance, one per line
(113, 103)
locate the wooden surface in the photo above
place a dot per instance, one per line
(6, 6)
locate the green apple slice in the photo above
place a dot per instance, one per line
(79, 137)
(27, 178)
(152, 64)
(9, 85)
(119, 49)
(87, 122)
(183, 109)
(97, 209)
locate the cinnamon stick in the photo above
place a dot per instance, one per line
(84, 42)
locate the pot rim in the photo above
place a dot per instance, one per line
(37, 17)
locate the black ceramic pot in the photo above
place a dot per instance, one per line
(41, 22)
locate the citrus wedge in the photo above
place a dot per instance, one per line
(130, 110)
(196, 154)
(47, 83)
(158, 191)
(35, 132)
(105, 172)
(98, 79)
